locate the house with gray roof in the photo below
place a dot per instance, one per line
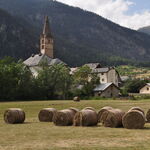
(106, 90)
(108, 75)
(105, 74)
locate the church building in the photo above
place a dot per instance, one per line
(46, 54)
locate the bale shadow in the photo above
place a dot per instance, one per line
(28, 122)
(95, 126)
(146, 128)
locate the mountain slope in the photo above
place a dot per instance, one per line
(15, 37)
(145, 30)
(82, 36)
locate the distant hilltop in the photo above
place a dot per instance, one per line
(145, 30)
(80, 36)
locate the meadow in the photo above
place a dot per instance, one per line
(34, 135)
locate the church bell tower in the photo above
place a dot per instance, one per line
(46, 40)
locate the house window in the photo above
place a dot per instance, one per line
(102, 74)
(42, 41)
(103, 80)
(42, 46)
(147, 89)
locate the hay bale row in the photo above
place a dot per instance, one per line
(14, 115)
(86, 117)
(134, 119)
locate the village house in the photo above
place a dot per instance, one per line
(106, 90)
(145, 89)
(109, 80)
(108, 75)
(46, 54)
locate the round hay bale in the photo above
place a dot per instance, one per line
(133, 119)
(76, 99)
(148, 116)
(86, 117)
(91, 108)
(64, 117)
(104, 116)
(74, 109)
(46, 114)
(14, 115)
(138, 108)
(101, 111)
(113, 118)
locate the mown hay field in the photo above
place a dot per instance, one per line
(35, 135)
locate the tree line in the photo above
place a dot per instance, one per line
(52, 82)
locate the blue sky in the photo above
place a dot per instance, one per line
(139, 6)
(133, 14)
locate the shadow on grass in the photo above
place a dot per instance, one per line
(29, 122)
(146, 128)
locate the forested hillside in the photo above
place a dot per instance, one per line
(80, 36)
(16, 37)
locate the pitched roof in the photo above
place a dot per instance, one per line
(102, 70)
(103, 87)
(36, 60)
(147, 84)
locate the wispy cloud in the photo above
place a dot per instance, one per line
(115, 10)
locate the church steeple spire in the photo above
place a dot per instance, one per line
(46, 40)
(46, 29)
